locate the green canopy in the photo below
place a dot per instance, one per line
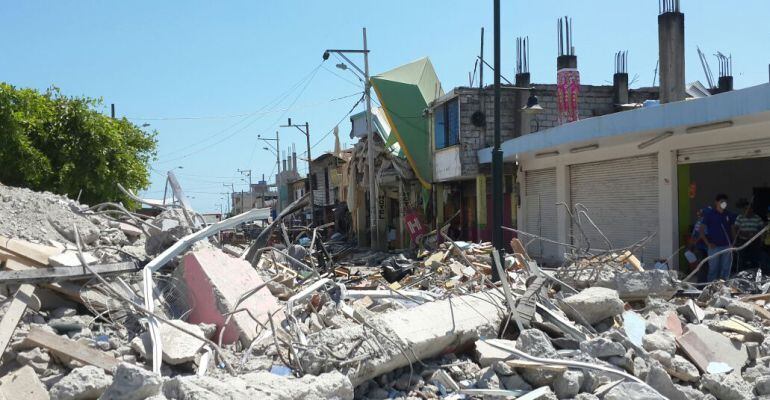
(405, 93)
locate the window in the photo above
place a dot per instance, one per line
(446, 125)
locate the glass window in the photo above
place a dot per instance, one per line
(439, 127)
(452, 122)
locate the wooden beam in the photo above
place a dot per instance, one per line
(13, 314)
(35, 252)
(72, 349)
(60, 274)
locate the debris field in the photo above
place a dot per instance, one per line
(102, 303)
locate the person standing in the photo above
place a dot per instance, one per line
(748, 224)
(716, 232)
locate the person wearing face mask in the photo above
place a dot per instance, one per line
(718, 222)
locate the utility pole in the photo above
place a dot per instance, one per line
(278, 166)
(306, 131)
(112, 110)
(497, 153)
(251, 192)
(373, 195)
(232, 192)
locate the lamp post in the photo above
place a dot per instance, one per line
(373, 195)
(278, 165)
(305, 129)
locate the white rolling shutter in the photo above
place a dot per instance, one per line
(540, 212)
(622, 200)
(729, 151)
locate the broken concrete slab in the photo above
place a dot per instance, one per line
(22, 383)
(727, 386)
(741, 309)
(632, 286)
(180, 347)
(535, 342)
(488, 354)
(215, 282)
(593, 304)
(132, 383)
(567, 385)
(632, 391)
(659, 380)
(659, 340)
(601, 347)
(260, 385)
(84, 383)
(704, 346)
(70, 259)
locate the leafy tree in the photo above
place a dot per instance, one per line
(61, 144)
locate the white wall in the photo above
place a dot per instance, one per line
(667, 178)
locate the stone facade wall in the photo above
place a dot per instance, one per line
(593, 101)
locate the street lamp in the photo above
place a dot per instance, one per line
(165, 189)
(373, 195)
(306, 132)
(278, 165)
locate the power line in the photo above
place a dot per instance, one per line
(338, 123)
(271, 104)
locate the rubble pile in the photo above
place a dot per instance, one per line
(155, 308)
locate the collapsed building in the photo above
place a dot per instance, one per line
(101, 303)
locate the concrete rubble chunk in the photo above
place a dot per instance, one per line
(132, 383)
(704, 346)
(762, 386)
(632, 391)
(727, 386)
(741, 309)
(659, 340)
(568, 384)
(488, 354)
(22, 384)
(178, 346)
(692, 393)
(34, 358)
(631, 286)
(260, 385)
(601, 347)
(659, 380)
(84, 383)
(535, 342)
(70, 259)
(208, 275)
(593, 304)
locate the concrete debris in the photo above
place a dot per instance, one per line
(23, 384)
(299, 315)
(82, 383)
(132, 383)
(593, 305)
(727, 387)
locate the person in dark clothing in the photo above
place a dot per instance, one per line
(716, 232)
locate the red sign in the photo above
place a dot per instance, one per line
(414, 226)
(567, 91)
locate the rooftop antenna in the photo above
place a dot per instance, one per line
(706, 68)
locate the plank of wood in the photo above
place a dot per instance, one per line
(755, 297)
(631, 259)
(518, 248)
(13, 314)
(535, 365)
(72, 349)
(7, 255)
(70, 290)
(60, 274)
(35, 252)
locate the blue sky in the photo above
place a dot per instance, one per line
(210, 76)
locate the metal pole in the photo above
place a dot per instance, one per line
(497, 153)
(278, 175)
(373, 195)
(309, 176)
